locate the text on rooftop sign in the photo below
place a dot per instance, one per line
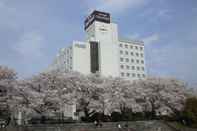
(97, 16)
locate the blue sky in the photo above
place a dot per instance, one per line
(32, 32)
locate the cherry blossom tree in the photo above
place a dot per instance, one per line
(163, 94)
(7, 81)
(89, 95)
(160, 96)
(47, 93)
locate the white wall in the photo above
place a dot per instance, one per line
(109, 53)
(63, 60)
(107, 36)
(128, 56)
(81, 57)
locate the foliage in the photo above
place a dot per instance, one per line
(7, 82)
(7, 73)
(190, 112)
(46, 94)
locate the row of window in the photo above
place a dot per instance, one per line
(65, 56)
(132, 53)
(66, 51)
(67, 65)
(67, 61)
(132, 60)
(132, 67)
(132, 75)
(131, 46)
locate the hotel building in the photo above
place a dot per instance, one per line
(103, 52)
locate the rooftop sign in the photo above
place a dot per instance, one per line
(97, 16)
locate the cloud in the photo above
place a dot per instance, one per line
(169, 60)
(157, 15)
(194, 9)
(151, 39)
(133, 36)
(5, 7)
(2, 5)
(147, 40)
(30, 52)
(165, 14)
(115, 6)
(30, 45)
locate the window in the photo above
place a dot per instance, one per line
(143, 68)
(122, 74)
(136, 47)
(138, 68)
(133, 67)
(133, 74)
(121, 59)
(127, 67)
(126, 52)
(120, 45)
(126, 46)
(137, 54)
(144, 75)
(132, 60)
(137, 61)
(128, 74)
(138, 75)
(127, 59)
(132, 53)
(141, 48)
(131, 47)
(122, 66)
(142, 61)
(121, 52)
(94, 56)
(142, 55)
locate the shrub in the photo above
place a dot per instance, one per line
(116, 116)
(190, 112)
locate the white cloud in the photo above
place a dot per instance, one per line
(147, 40)
(170, 60)
(151, 39)
(116, 6)
(165, 13)
(6, 7)
(30, 53)
(134, 36)
(2, 4)
(30, 45)
(194, 9)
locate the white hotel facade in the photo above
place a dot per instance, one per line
(103, 52)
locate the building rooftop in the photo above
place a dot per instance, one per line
(97, 16)
(138, 42)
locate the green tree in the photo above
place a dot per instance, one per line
(190, 111)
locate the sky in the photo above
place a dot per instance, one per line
(33, 31)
